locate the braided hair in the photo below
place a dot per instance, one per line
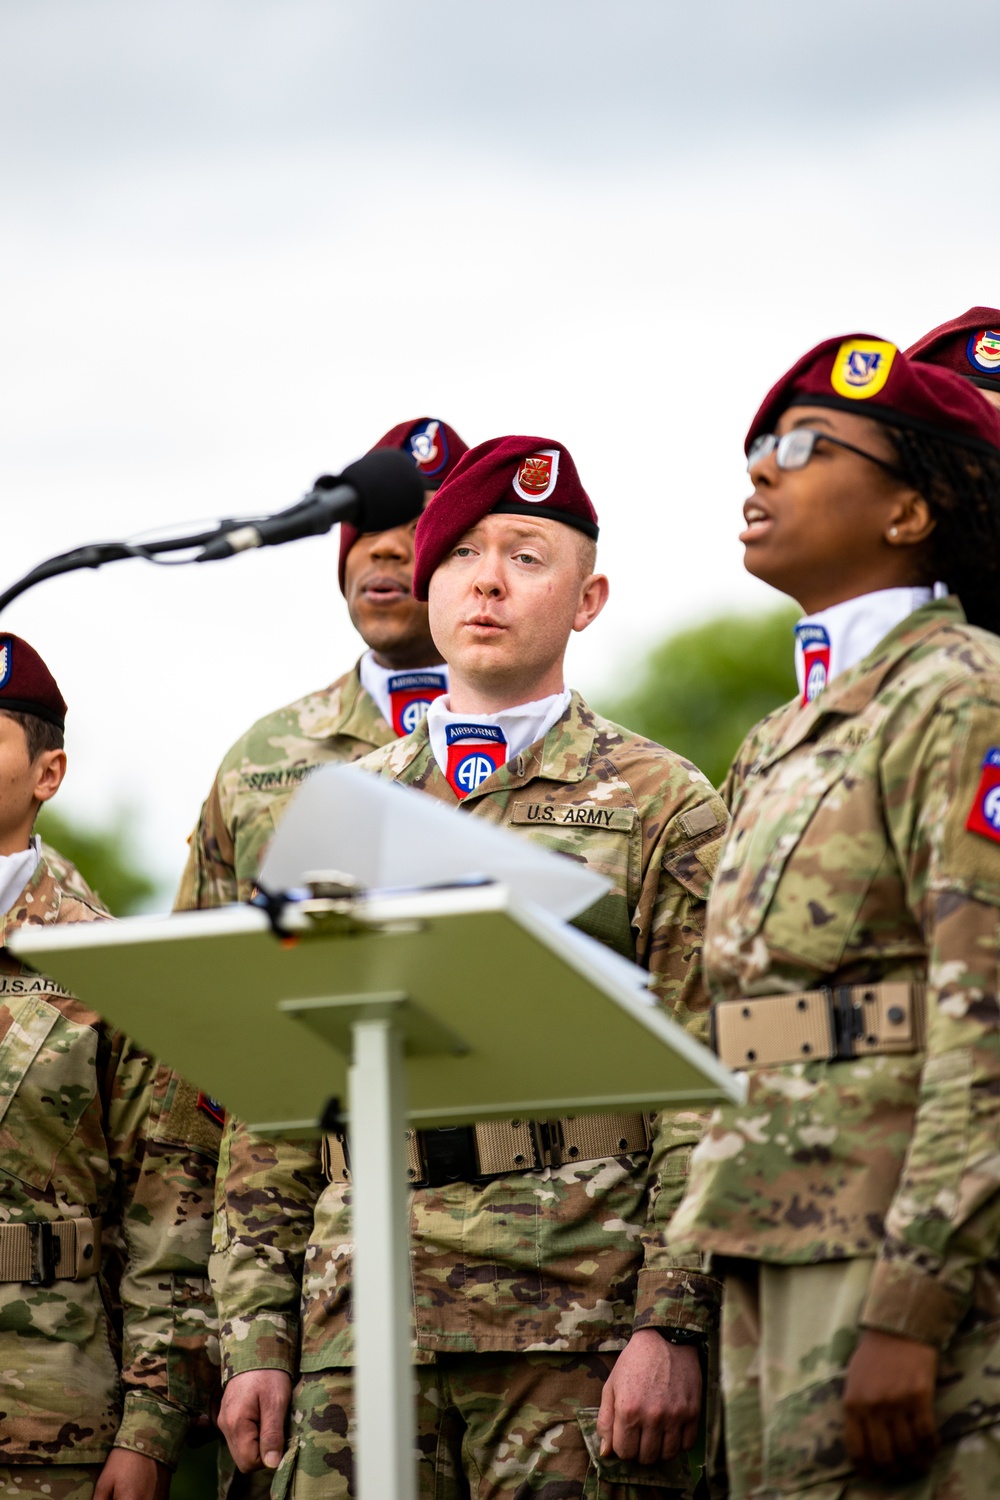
(962, 487)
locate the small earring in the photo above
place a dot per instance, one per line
(894, 531)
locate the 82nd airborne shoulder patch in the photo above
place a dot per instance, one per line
(984, 815)
(212, 1108)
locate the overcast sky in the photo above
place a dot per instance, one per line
(241, 238)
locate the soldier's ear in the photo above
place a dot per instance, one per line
(50, 768)
(911, 521)
(593, 597)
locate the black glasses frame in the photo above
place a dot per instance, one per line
(774, 445)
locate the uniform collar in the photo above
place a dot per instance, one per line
(350, 711)
(563, 755)
(852, 691)
(46, 899)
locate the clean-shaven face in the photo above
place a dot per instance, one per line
(378, 585)
(818, 533)
(504, 602)
(23, 784)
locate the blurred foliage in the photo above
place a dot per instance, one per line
(104, 857)
(701, 690)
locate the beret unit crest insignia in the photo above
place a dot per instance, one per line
(861, 368)
(536, 475)
(983, 351)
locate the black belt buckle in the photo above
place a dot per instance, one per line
(847, 1020)
(449, 1155)
(44, 1253)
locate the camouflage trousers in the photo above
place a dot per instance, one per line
(51, 1481)
(788, 1333)
(489, 1426)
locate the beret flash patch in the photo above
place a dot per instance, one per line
(6, 654)
(536, 475)
(861, 368)
(429, 448)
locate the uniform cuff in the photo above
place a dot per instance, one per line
(265, 1342)
(153, 1428)
(910, 1302)
(677, 1298)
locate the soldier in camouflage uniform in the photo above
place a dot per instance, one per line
(92, 1133)
(852, 948)
(379, 698)
(534, 1270)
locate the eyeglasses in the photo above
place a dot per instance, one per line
(794, 449)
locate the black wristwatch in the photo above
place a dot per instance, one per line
(681, 1335)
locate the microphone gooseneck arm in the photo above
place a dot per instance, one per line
(317, 513)
(379, 492)
(96, 554)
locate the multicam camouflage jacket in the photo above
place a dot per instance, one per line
(567, 1258)
(849, 861)
(257, 777)
(91, 1129)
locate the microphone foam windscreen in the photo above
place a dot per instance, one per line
(390, 489)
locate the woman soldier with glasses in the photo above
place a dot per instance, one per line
(852, 1207)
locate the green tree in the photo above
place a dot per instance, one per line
(104, 858)
(701, 690)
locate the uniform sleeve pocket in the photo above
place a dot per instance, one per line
(190, 1119)
(608, 1478)
(936, 1163)
(284, 1474)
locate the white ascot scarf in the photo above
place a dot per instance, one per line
(15, 872)
(521, 726)
(375, 681)
(852, 629)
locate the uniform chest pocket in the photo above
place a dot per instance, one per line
(808, 841)
(48, 1078)
(257, 822)
(606, 840)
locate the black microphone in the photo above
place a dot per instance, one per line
(380, 491)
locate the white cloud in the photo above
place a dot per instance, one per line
(221, 281)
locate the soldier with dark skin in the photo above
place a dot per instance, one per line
(556, 1342)
(969, 345)
(93, 1136)
(852, 1206)
(380, 697)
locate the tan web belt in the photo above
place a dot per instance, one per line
(846, 1020)
(477, 1153)
(41, 1252)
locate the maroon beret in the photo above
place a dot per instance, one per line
(435, 449)
(26, 684)
(859, 373)
(969, 345)
(513, 476)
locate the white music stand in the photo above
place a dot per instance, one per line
(433, 1007)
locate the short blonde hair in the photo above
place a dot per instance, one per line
(586, 551)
